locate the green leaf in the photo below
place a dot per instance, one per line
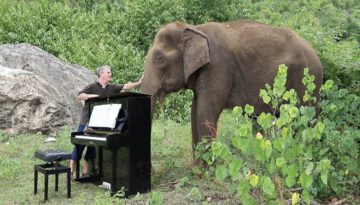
(280, 162)
(283, 119)
(306, 180)
(308, 134)
(264, 96)
(291, 154)
(318, 130)
(308, 112)
(327, 85)
(237, 110)
(265, 120)
(280, 81)
(254, 179)
(309, 168)
(268, 149)
(243, 130)
(234, 168)
(323, 151)
(236, 142)
(292, 170)
(260, 154)
(271, 166)
(221, 172)
(324, 165)
(216, 148)
(306, 196)
(279, 144)
(286, 132)
(323, 168)
(290, 181)
(249, 109)
(244, 187)
(290, 95)
(293, 112)
(324, 177)
(242, 143)
(268, 187)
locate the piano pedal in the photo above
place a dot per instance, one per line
(105, 185)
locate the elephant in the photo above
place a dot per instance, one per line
(225, 65)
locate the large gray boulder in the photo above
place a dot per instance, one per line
(38, 91)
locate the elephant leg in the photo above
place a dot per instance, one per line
(194, 127)
(207, 115)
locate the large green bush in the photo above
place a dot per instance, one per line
(84, 33)
(297, 155)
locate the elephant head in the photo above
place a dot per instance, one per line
(177, 53)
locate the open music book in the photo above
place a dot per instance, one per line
(104, 115)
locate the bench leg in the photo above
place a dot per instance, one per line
(56, 182)
(46, 187)
(35, 180)
(69, 184)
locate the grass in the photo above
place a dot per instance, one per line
(172, 178)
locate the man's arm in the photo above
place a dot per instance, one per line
(131, 85)
(84, 96)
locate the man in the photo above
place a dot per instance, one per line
(100, 88)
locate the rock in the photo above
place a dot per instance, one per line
(38, 91)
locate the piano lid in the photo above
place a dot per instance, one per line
(118, 95)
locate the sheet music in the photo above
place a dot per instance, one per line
(104, 115)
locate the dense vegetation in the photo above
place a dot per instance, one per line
(299, 154)
(119, 33)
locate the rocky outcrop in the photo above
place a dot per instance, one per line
(38, 91)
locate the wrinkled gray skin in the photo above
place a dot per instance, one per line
(225, 65)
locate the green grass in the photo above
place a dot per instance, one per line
(172, 176)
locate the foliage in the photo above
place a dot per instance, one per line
(73, 33)
(298, 154)
(141, 20)
(176, 105)
(119, 32)
(197, 12)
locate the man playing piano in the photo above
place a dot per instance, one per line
(101, 87)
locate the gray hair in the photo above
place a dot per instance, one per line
(101, 69)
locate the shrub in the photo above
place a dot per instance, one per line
(297, 155)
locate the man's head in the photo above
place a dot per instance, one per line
(104, 73)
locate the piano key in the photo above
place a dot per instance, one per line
(90, 137)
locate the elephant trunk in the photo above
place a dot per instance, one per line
(149, 88)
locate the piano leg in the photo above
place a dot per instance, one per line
(114, 187)
(78, 157)
(100, 162)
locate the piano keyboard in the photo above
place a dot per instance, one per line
(90, 137)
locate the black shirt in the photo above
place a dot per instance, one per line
(96, 88)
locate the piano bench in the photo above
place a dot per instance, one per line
(52, 166)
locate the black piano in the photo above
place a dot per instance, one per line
(123, 153)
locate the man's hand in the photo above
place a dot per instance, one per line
(130, 85)
(141, 79)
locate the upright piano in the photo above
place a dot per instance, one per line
(123, 153)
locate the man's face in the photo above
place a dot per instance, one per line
(105, 75)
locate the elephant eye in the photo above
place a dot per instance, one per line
(159, 58)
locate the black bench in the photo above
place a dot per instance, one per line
(52, 166)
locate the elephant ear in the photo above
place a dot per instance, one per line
(196, 51)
